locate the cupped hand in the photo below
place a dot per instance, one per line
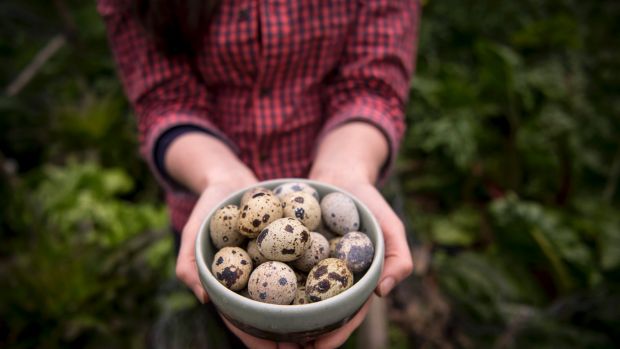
(398, 262)
(215, 192)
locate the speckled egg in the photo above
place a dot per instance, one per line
(223, 227)
(304, 207)
(316, 252)
(273, 282)
(250, 192)
(232, 267)
(339, 213)
(284, 240)
(257, 257)
(300, 296)
(356, 250)
(295, 187)
(324, 230)
(332, 246)
(328, 278)
(258, 212)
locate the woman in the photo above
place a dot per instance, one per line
(233, 92)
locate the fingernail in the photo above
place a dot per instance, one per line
(386, 286)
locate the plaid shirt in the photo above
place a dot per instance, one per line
(272, 79)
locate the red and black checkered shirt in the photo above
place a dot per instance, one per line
(271, 79)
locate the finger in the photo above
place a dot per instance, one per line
(398, 263)
(337, 337)
(249, 340)
(186, 269)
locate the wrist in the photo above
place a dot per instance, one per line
(340, 173)
(197, 160)
(353, 152)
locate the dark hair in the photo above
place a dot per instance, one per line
(176, 26)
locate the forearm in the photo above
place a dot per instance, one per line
(356, 149)
(196, 160)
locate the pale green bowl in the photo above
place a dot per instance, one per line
(291, 323)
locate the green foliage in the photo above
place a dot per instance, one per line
(509, 172)
(511, 165)
(86, 251)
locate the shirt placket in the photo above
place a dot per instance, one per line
(265, 103)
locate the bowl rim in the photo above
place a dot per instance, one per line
(291, 309)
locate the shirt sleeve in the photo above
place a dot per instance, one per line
(372, 80)
(165, 91)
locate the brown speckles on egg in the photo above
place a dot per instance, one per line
(356, 250)
(300, 296)
(319, 272)
(328, 278)
(269, 287)
(317, 250)
(285, 241)
(304, 207)
(288, 188)
(223, 227)
(229, 267)
(251, 193)
(288, 251)
(261, 211)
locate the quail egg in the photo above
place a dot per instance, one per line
(260, 210)
(295, 187)
(328, 278)
(340, 213)
(316, 252)
(304, 207)
(284, 240)
(273, 282)
(251, 192)
(356, 250)
(332, 246)
(300, 296)
(232, 267)
(223, 227)
(255, 254)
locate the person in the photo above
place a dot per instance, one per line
(230, 93)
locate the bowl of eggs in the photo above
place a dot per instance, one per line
(289, 259)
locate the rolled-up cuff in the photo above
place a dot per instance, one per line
(152, 145)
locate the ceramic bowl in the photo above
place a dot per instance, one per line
(290, 323)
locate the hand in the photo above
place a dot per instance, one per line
(206, 166)
(398, 262)
(215, 192)
(350, 157)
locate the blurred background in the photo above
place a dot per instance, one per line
(507, 181)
